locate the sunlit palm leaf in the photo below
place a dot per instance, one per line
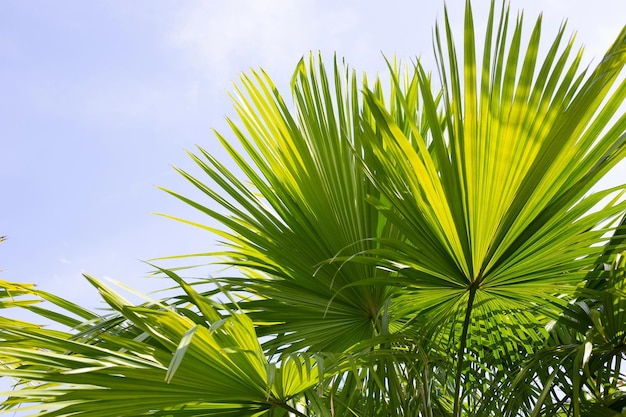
(525, 150)
(177, 367)
(311, 207)
(396, 251)
(476, 199)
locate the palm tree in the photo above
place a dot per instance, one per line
(424, 249)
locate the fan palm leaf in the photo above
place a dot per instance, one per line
(396, 249)
(310, 207)
(214, 366)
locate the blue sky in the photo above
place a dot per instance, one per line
(99, 98)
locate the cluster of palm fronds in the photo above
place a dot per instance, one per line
(426, 248)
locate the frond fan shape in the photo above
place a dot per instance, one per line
(417, 203)
(397, 248)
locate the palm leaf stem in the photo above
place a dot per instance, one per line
(461, 354)
(293, 410)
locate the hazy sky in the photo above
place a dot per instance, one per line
(99, 98)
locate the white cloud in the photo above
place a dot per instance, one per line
(226, 38)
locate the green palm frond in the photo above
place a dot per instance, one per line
(466, 214)
(399, 249)
(309, 205)
(497, 208)
(583, 361)
(176, 366)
